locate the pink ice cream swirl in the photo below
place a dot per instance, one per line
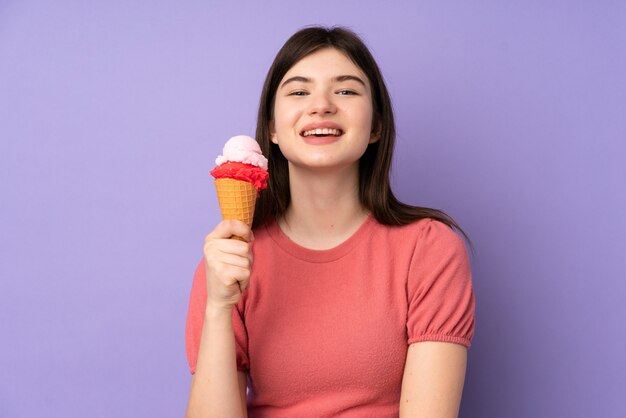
(242, 149)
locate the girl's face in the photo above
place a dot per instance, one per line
(323, 112)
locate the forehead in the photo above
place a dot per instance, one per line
(325, 63)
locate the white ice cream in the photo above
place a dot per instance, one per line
(242, 149)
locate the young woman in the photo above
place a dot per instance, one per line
(344, 301)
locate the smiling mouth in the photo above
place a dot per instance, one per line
(322, 132)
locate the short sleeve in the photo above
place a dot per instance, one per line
(441, 298)
(195, 321)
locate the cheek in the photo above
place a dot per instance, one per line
(285, 121)
(279, 117)
(367, 117)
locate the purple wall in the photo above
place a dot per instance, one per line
(511, 118)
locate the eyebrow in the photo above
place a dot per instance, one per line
(335, 79)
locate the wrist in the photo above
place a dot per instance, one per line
(214, 311)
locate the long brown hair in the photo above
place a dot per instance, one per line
(374, 189)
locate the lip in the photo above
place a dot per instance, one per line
(321, 125)
(323, 140)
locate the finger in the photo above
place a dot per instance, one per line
(244, 283)
(229, 246)
(228, 228)
(229, 274)
(237, 261)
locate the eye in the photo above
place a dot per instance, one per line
(346, 92)
(298, 93)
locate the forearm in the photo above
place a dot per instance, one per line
(215, 388)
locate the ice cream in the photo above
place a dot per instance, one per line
(240, 174)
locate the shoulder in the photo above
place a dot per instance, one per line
(438, 243)
(422, 231)
(416, 242)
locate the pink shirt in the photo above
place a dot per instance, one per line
(325, 333)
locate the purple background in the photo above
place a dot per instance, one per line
(511, 118)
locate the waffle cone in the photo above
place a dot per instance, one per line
(237, 199)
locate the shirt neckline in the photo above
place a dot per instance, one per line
(320, 256)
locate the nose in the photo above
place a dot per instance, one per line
(322, 104)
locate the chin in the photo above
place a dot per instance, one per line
(325, 165)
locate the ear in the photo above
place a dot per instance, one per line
(272, 132)
(375, 135)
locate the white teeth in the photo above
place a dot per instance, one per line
(322, 131)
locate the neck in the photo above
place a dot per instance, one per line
(325, 209)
